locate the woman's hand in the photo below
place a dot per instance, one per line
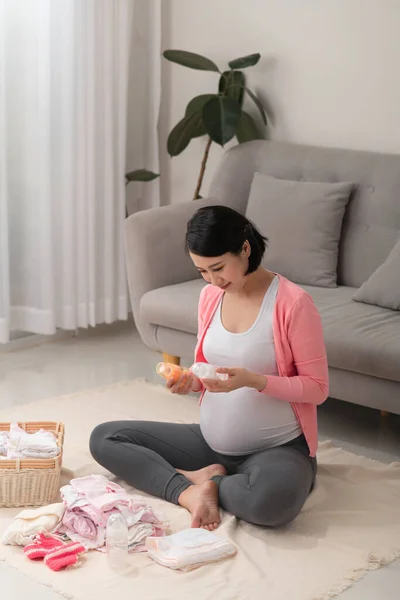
(238, 377)
(186, 383)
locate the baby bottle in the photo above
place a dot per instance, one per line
(169, 371)
(117, 543)
(206, 371)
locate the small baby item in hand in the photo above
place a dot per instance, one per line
(206, 371)
(169, 371)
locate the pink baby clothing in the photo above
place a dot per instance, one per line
(89, 543)
(99, 492)
(79, 522)
(89, 502)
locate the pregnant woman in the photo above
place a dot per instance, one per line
(253, 453)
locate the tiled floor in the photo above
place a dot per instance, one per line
(114, 353)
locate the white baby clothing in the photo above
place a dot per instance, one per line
(41, 444)
(3, 444)
(31, 521)
(189, 549)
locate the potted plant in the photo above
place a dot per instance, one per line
(218, 115)
(139, 175)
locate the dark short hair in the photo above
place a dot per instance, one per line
(216, 230)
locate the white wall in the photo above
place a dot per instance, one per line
(329, 70)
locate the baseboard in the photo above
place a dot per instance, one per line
(24, 342)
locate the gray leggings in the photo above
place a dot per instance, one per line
(266, 488)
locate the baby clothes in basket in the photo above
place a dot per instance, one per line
(17, 443)
(189, 549)
(3, 444)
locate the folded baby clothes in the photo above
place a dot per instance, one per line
(41, 444)
(137, 536)
(90, 500)
(98, 543)
(32, 521)
(189, 549)
(3, 443)
(98, 496)
(95, 495)
(81, 523)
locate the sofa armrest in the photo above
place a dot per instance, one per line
(155, 254)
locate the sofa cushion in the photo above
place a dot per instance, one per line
(371, 222)
(383, 287)
(359, 337)
(302, 221)
(173, 306)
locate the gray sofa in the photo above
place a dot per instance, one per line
(363, 340)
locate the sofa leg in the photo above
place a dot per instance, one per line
(384, 413)
(170, 358)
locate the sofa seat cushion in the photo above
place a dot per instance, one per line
(173, 306)
(359, 337)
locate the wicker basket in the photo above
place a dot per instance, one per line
(31, 481)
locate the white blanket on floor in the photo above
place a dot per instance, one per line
(349, 525)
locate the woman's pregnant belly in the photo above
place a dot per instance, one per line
(245, 421)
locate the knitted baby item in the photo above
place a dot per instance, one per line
(64, 556)
(41, 546)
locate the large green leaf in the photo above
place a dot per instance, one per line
(191, 60)
(182, 133)
(231, 84)
(197, 103)
(245, 61)
(221, 118)
(141, 175)
(258, 104)
(247, 130)
(196, 106)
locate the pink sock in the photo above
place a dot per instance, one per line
(65, 556)
(41, 546)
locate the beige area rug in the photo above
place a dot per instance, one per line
(350, 524)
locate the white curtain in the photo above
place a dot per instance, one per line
(144, 102)
(64, 69)
(4, 259)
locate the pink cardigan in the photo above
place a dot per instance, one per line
(300, 352)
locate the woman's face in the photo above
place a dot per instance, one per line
(226, 271)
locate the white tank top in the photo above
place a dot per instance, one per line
(245, 421)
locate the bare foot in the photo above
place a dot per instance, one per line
(203, 475)
(202, 501)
